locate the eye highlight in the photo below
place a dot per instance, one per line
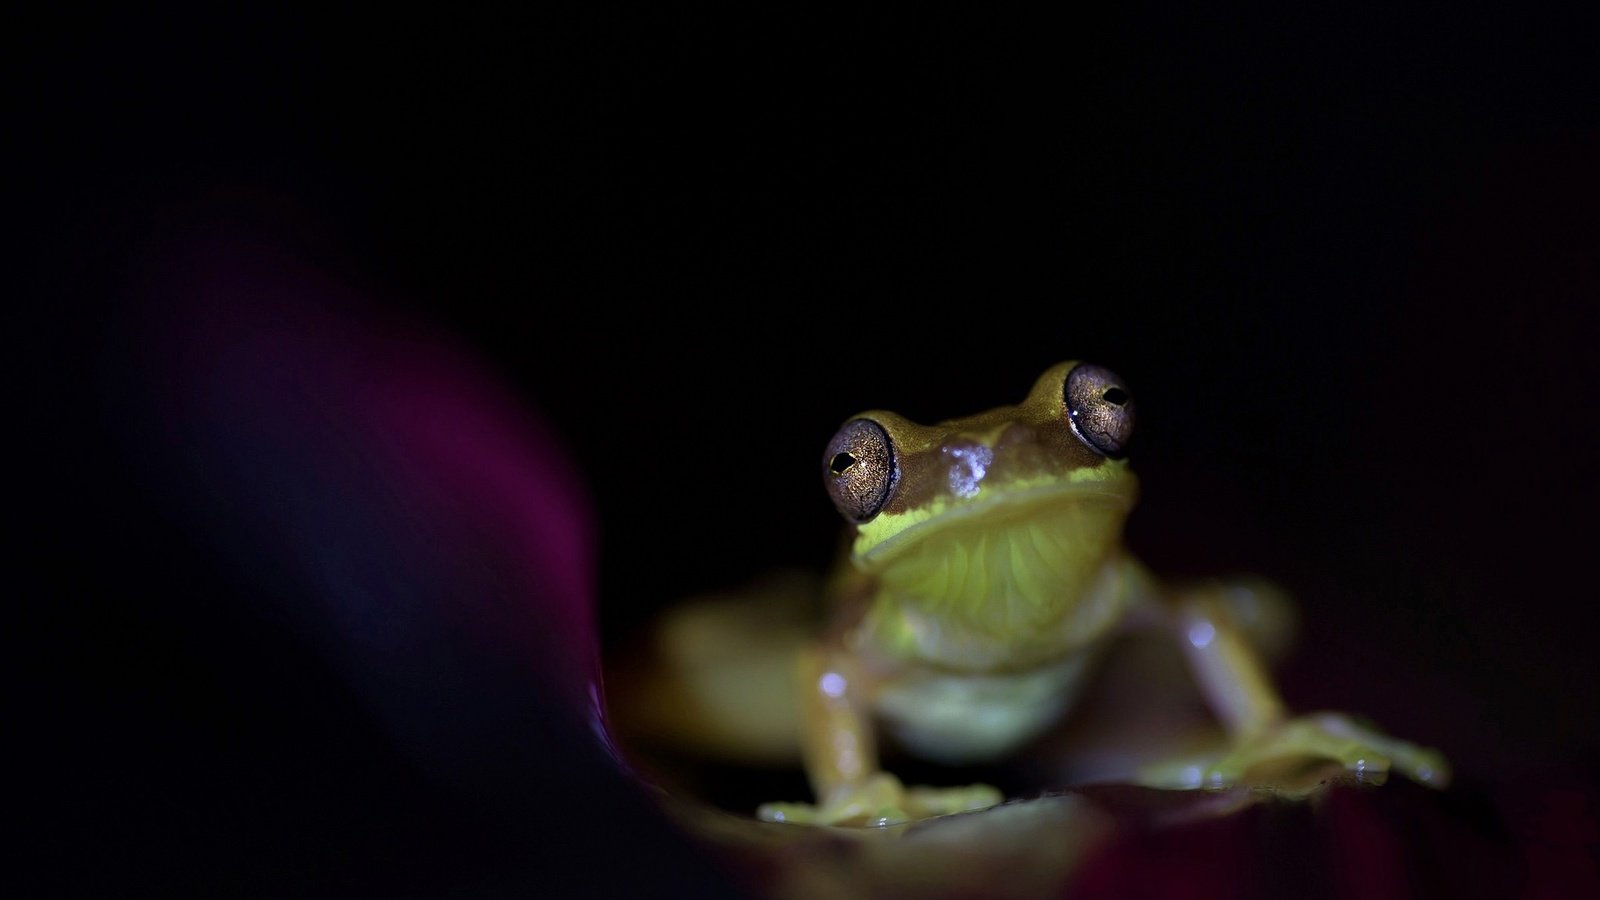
(1099, 408)
(860, 470)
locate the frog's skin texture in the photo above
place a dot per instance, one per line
(985, 572)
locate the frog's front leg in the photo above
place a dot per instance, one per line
(1265, 742)
(840, 751)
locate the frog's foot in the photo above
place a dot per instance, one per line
(1289, 756)
(882, 800)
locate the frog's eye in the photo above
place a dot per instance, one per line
(1099, 408)
(859, 469)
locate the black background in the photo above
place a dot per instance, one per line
(1346, 261)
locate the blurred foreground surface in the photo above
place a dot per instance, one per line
(1345, 841)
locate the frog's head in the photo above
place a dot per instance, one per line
(1042, 482)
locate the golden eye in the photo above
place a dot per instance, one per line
(1099, 408)
(859, 469)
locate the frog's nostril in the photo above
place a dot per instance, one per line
(1015, 435)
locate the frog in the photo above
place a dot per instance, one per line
(984, 572)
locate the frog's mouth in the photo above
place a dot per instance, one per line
(1062, 521)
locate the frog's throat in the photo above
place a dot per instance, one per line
(880, 542)
(1009, 583)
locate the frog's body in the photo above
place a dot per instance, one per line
(959, 718)
(985, 574)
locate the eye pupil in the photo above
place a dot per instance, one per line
(1099, 409)
(859, 469)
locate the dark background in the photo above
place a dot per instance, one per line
(1347, 262)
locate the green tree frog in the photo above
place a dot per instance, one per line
(985, 570)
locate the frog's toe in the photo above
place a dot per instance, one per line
(1362, 745)
(877, 801)
(1426, 766)
(1332, 737)
(794, 813)
(931, 801)
(1295, 756)
(882, 800)
(1194, 772)
(824, 814)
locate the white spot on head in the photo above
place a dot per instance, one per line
(1201, 634)
(970, 465)
(832, 684)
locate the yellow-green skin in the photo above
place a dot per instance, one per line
(1000, 548)
(975, 599)
(996, 570)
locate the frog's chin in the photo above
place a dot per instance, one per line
(881, 541)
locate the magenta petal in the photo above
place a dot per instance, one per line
(439, 542)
